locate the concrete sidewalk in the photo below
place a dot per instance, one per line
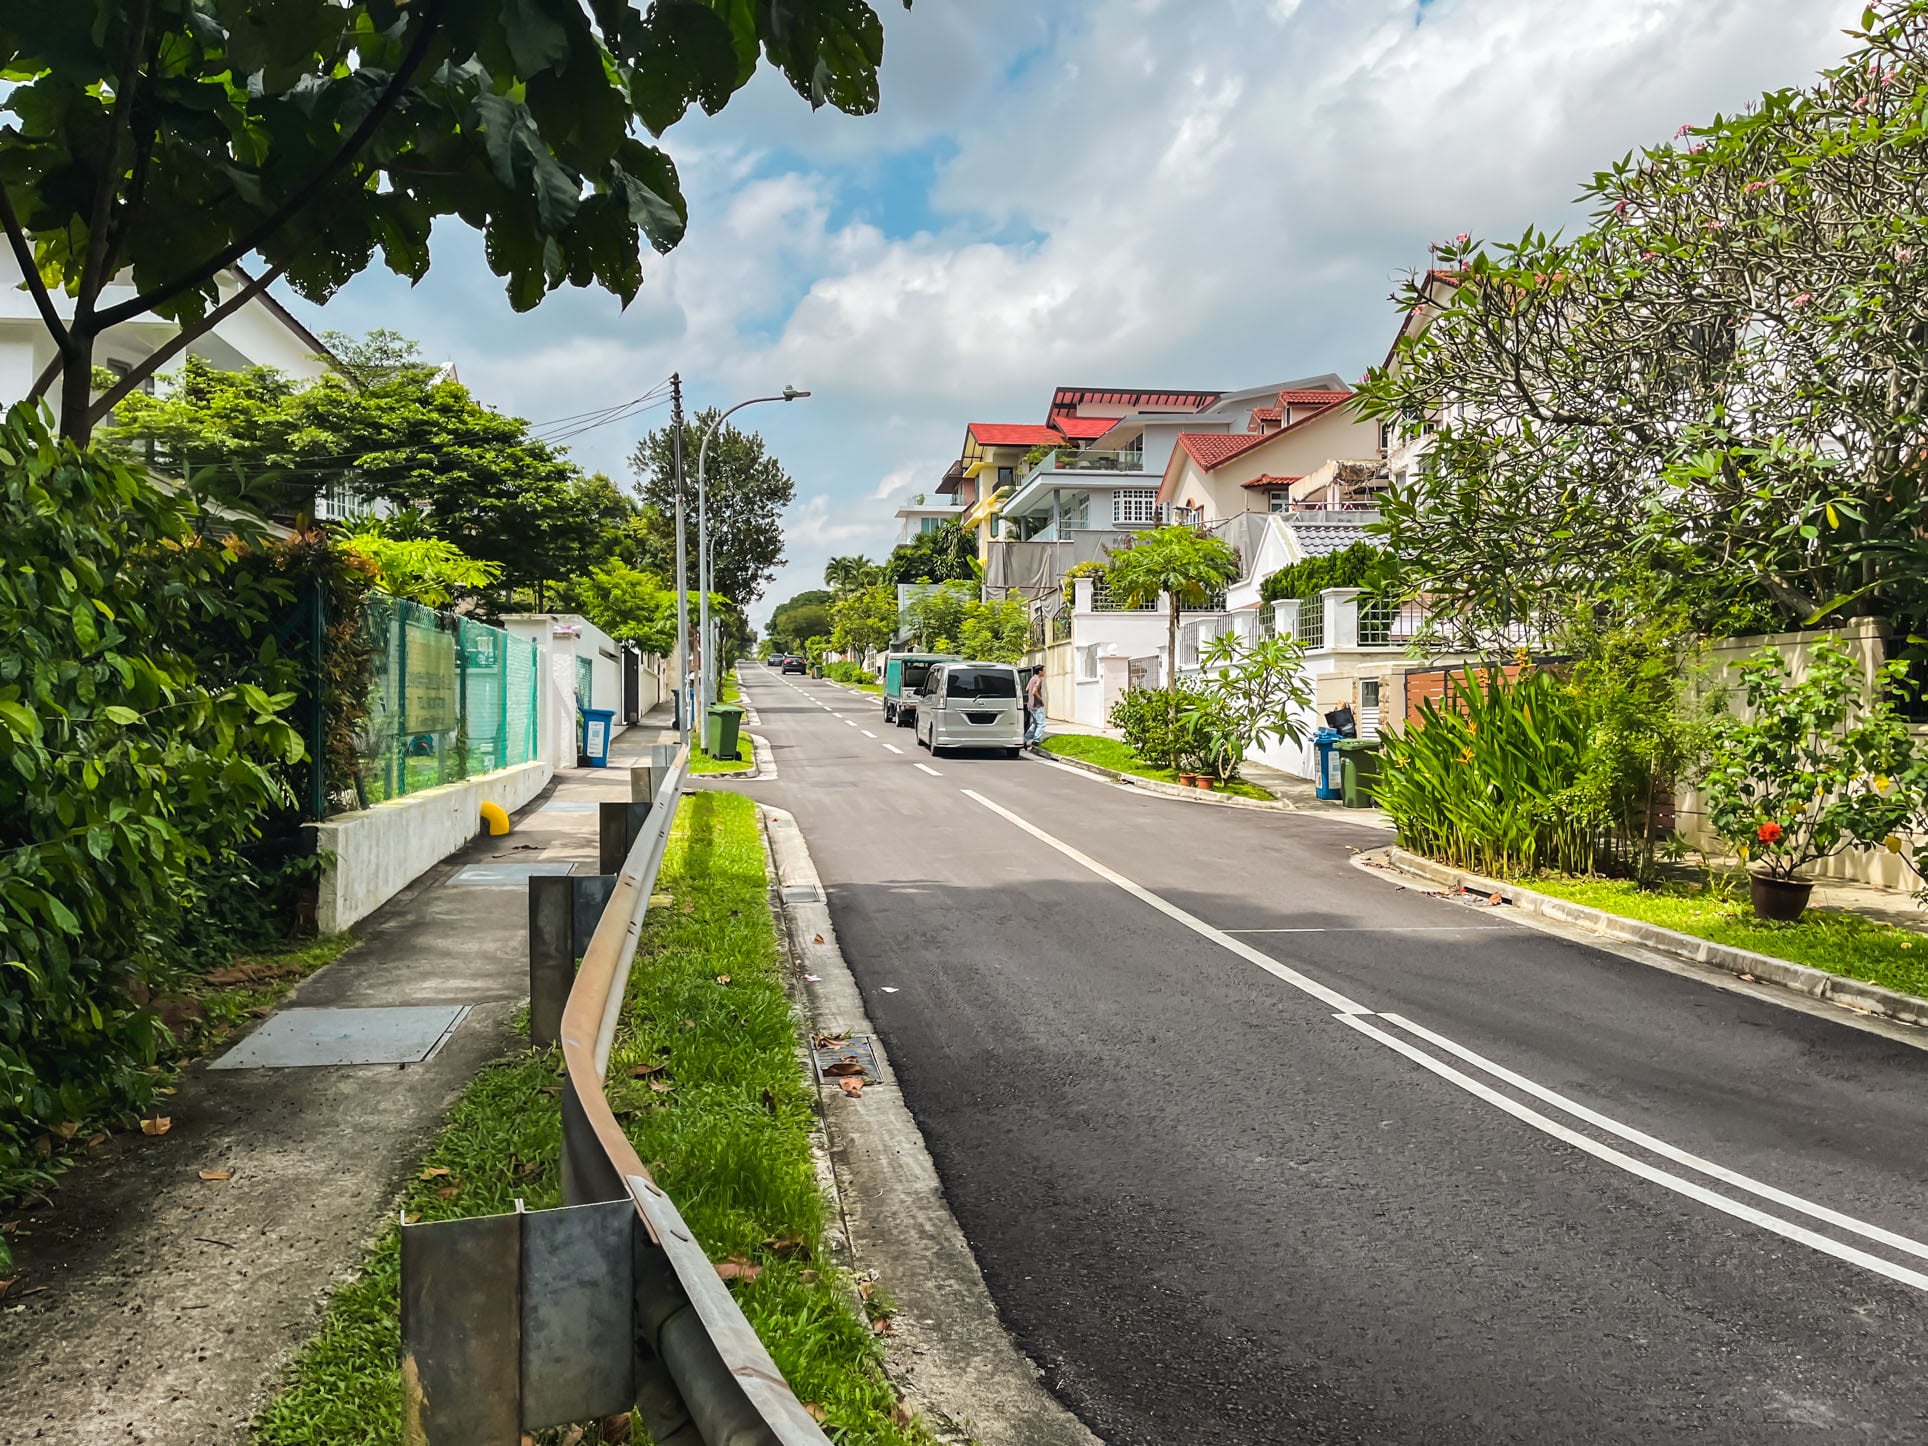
(152, 1305)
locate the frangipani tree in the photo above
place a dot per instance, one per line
(1187, 568)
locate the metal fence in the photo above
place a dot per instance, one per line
(451, 698)
(1389, 625)
(1312, 621)
(1103, 600)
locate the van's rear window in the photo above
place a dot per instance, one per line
(981, 683)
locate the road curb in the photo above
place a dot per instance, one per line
(1365, 818)
(1815, 983)
(951, 1353)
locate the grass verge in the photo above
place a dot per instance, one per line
(1117, 755)
(705, 1079)
(1830, 939)
(701, 762)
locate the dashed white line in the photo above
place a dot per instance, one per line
(926, 768)
(867, 733)
(894, 749)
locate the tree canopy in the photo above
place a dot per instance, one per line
(394, 429)
(803, 617)
(947, 553)
(864, 620)
(1187, 568)
(167, 141)
(748, 491)
(1712, 399)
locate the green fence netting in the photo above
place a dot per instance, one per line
(451, 698)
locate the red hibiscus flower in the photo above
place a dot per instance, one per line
(1769, 832)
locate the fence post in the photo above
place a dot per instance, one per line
(552, 954)
(397, 757)
(1285, 614)
(317, 707)
(465, 741)
(1341, 616)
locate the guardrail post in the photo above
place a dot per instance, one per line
(618, 824)
(552, 954)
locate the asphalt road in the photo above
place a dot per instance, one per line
(1254, 1146)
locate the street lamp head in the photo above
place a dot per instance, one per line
(790, 394)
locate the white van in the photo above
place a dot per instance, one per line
(971, 705)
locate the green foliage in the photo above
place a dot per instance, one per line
(1121, 758)
(1068, 588)
(169, 140)
(813, 651)
(1815, 765)
(1190, 569)
(389, 427)
(122, 772)
(1486, 782)
(938, 615)
(864, 620)
(426, 570)
(947, 553)
(994, 632)
(845, 575)
(1245, 694)
(807, 615)
(842, 672)
(1354, 566)
(1151, 725)
(1713, 395)
(747, 492)
(630, 605)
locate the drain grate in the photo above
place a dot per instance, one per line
(835, 1053)
(308, 1038)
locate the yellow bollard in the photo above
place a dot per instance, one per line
(496, 818)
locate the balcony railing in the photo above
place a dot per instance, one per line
(1389, 625)
(1103, 600)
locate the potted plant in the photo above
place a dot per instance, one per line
(1817, 765)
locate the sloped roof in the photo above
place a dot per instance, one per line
(1066, 400)
(1324, 538)
(1209, 449)
(1268, 480)
(1014, 434)
(1084, 429)
(1319, 397)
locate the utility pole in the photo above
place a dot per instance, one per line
(682, 571)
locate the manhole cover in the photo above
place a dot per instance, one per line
(845, 1057)
(501, 875)
(304, 1038)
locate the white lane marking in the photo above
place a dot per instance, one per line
(867, 733)
(1349, 1012)
(848, 722)
(1388, 929)
(1661, 1147)
(1191, 921)
(926, 768)
(894, 748)
(1651, 1173)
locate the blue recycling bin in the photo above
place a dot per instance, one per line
(1324, 740)
(596, 724)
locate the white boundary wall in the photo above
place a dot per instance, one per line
(370, 856)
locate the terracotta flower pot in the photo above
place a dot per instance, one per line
(1781, 899)
(1207, 782)
(1187, 780)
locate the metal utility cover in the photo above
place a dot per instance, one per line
(503, 875)
(570, 805)
(802, 894)
(857, 1046)
(306, 1038)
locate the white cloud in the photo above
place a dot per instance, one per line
(1137, 192)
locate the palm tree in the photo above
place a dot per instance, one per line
(844, 575)
(1189, 568)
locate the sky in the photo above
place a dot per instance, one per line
(1198, 194)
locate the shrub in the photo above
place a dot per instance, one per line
(123, 771)
(1353, 566)
(843, 672)
(1149, 721)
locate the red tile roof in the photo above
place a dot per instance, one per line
(1014, 434)
(1268, 480)
(1319, 397)
(1265, 414)
(1084, 429)
(1208, 449)
(1066, 400)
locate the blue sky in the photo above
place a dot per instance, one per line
(1183, 193)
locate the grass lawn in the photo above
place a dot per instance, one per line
(727, 690)
(701, 762)
(706, 1080)
(876, 688)
(1840, 943)
(1115, 754)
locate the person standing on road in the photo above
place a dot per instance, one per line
(1034, 708)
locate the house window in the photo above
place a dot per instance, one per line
(1006, 476)
(1368, 692)
(1279, 501)
(1088, 663)
(1135, 505)
(929, 524)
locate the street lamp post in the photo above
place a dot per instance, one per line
(707, 685)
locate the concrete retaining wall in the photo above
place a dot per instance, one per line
(371, 856)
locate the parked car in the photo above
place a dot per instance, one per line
(904, 674)
(794, 665)
(775, 660)
(971, 705)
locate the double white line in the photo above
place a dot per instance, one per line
(1359, 1017)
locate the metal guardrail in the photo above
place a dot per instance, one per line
(517, 1323)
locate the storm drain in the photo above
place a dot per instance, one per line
(308, 1038)
(845, 1057)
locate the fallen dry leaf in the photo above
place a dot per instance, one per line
(573, 1436)
(449, 1192)
(433, 1172)
(817, 940)
(866, 1288)
(901, 1414)
(159, 1125)
(1496, 899)
(783, 1247)
(722, 979)
(849, 1064)
(217, 1175)
(883, 1327)
(808, 1277)
(1749, 978)
(831, 1041)
(661, 1086)
(817, 1413)
(851, 1087)
(68, 1129)
(661, 901)
(737, 1268)
(644, 1071)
